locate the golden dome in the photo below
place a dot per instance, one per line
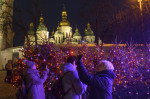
(41, 19)
(64, 21)
(64, 13)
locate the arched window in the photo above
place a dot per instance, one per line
(56, 39)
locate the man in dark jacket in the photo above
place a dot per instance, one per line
(71, 80)
(101, 83)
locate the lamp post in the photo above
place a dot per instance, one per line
(140, 3)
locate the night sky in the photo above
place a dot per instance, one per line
(26, 11)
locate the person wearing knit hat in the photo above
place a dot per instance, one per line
(34, 81)
(30, 64)
(101, 82)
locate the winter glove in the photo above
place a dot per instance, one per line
(79, 57)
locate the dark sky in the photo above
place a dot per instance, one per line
(26, 11)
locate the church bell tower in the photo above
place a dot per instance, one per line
(6, 33)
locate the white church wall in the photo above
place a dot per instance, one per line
(66, 30)
(9, 54)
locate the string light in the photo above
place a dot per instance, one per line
(131, 65)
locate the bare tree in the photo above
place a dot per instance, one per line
(6, 26)
(26, 11)
(98, 13)
(111, 18)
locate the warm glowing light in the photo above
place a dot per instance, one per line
(72, 52)
(131, 66)
(140, 3)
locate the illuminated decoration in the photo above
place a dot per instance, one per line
(131, 65)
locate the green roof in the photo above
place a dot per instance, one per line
(89, 32)
(77, 34)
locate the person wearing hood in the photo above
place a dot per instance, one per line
(72, 85)
(100, 83)
(33, 81)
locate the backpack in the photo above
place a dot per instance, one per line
(22, 90)
(57, 88)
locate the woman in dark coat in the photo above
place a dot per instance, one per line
(9, 69)
(101, 83)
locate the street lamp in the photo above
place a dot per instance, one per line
(140, 3)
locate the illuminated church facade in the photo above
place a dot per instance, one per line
(62, 35)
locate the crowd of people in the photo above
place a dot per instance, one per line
(76, 80)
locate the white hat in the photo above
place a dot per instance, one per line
(105, 65)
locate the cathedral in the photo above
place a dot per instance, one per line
(62, 35)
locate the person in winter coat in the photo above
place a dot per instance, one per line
(100, 83)
(72, 85)
(9, 69)
(34, 82)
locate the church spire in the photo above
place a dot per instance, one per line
(41, 18)
(64, 21)
(76, 29)
(31, 30)
(53, 32)
(31, 25)
(64, 13)
(52, 36)
(64, 7)
(58, 28)
(88, 25)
